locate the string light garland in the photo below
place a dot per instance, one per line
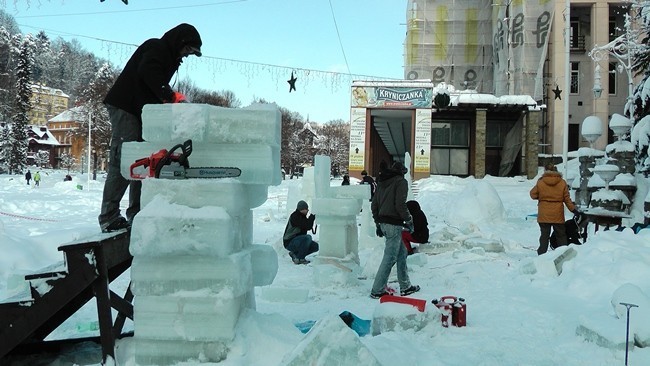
(250, 70)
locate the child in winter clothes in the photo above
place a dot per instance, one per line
(552, 194)
(420, 227)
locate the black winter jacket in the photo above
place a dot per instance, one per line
(420, 223)
(298, 224)
(146, 76)
(389, 203)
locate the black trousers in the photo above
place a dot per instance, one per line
(545, 235)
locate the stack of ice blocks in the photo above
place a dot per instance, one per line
(336, 210)
(195, 265)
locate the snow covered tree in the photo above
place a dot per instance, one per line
(640, 134)
(335, 142)
(42, 158)
(7, 77)
(67, 161)
(20, 119)
(5, 146)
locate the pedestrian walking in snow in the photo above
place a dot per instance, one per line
(391, 216)
(295, 238)
(28, 176)
(144, 80)
(37, 179)
(552, 194)
(366, 179)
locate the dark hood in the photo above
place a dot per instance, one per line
(181, 35)
(388, 174)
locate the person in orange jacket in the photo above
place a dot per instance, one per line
(552, 194)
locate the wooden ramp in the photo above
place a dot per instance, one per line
(59, 291)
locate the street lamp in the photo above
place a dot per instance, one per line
(620, 48)
(598, 89)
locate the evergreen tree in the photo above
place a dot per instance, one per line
(7, 75)
(5, 146)
(641, 96)
(25, 61)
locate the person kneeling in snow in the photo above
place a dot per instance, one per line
(420, 232)
(295, 238)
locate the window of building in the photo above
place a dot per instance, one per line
(611, 78)
(575, 78)
(450, 133)
(495, 133)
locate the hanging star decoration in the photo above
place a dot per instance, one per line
(292, 82)
(558, 92)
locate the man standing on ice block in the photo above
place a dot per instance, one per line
(144, 80)
(391, 216)
(295, 238)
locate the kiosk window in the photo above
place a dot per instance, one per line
(452, 133)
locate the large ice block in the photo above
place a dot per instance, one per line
(184, 274)
(162, 228)
(331, 342)
(232, 195)
(360, 191)
(336, 206)
(259, 164)
(255, 124)
(162, 353)
(186, 318)
(264, 261)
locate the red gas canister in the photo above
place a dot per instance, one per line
(459, 313)
(445, 310)
(453, 307)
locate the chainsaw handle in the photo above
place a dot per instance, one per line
(445, 298)
(140, 162)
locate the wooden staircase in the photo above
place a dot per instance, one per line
(58, 292)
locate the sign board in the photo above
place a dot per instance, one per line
(391, 97)
(357, 138)
(422, 151)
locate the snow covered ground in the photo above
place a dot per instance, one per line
(519, 311)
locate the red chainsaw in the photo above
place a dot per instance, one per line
(168, 164)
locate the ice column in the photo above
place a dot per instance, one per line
(195, 266)
(336, 210)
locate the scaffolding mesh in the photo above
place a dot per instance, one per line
(491, 46)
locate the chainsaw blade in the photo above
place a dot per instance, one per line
(174, 171)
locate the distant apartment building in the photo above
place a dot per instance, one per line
(46, 103)
(63, 126)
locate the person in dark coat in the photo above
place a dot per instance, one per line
(366, 179)
(295, 238)
(420, 232)
(144, 80)
(28, 176)
(391, 216)
(552, 194)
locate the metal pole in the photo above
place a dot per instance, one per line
(627, 328)
(567, 84)
(90, 122)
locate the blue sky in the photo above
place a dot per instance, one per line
(249, 46)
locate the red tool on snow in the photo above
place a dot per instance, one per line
(169, 165)
(454, 307)
(417, 303)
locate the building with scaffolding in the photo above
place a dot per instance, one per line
(485, 54)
